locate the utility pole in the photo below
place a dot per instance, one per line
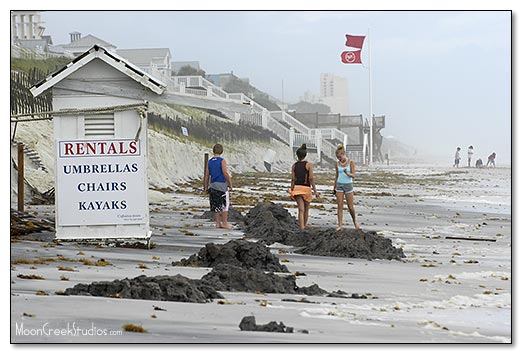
(370, 89)
(21, 177)
(283, 94)
(205, 162)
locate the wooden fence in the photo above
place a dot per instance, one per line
(22, 101)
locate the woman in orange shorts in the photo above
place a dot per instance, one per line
(302, 185)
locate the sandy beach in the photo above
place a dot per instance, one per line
(446, 290)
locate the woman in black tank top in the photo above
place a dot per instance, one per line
(302, 180)
(301, 174)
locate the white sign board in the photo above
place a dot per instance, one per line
(269, 156)
(100, 182)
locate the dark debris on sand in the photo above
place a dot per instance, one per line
(226, 277)
(349, 243)
(270, 223)
(24, 224)
(242, 265)
(241, 253)
(233, 215)
(223, 277)
(162, 287)
(248, 323)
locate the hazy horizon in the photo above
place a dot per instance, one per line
(442, 78)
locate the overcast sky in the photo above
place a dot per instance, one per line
(442, 78)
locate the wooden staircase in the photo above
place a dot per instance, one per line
(32, 155)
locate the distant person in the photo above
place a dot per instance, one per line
(491, 159)
(479, 163)
(457, 158)
(387, 158)
(343, 187)
(219, 187)
(302, 185)
(470, 155)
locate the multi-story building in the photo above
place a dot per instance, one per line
(26, 25)
(27, 31)
(150, 60)
(333, 91)
(309, 97)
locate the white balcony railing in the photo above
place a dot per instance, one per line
(282, 124)
(197, 92)
(288, 119)
(278, 129)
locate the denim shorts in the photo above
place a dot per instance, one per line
(345, 188)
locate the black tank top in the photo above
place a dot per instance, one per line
(301, 174)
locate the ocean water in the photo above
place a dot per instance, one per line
(486, 190)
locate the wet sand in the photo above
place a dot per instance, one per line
(443, 291)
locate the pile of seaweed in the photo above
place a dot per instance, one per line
(270, 223)
(233, 215)
(241, 253)
(248, 323)
(24, 224)
(255, 275)
(242, 265)
(162, 287)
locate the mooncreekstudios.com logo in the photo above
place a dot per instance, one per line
(71, 330)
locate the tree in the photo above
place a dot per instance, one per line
(236, 85)
(188, 70)
(307, 107)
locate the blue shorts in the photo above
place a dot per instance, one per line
(344, 188)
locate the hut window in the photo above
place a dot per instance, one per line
(99, 125)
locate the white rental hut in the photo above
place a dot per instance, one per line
(100, 130)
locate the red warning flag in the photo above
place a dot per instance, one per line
(349, 57)
(354, 41)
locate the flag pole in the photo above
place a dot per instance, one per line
(370, 93)
(283, 94)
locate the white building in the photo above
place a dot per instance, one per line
(121, 212)
(150, 60)
(333, 92)
(309, 97)
(80, 45)
(26, 25)
(27, 32)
